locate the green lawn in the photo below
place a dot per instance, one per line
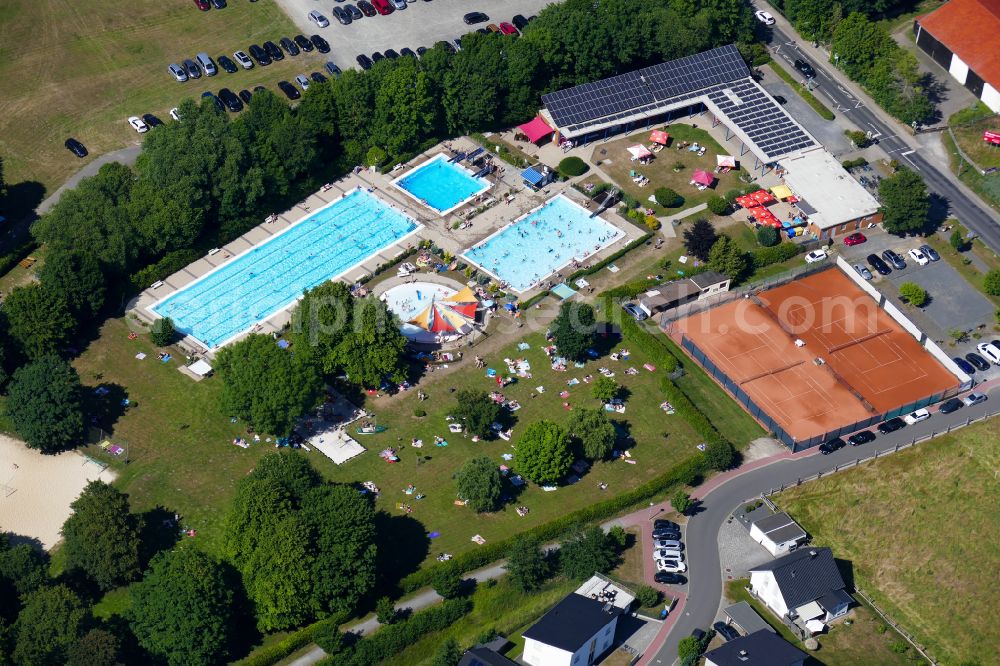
(614, 160)
(919, 529)
(987, 187)
(970, 137)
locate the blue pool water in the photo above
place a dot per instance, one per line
(533, 247)
(264, 280)
(441, 184)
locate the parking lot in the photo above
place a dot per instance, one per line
(422, 23)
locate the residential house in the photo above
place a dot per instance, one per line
(575, 632)
(761, 648)
(804, 587)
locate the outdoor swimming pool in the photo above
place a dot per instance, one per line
(440, 184)
(531, 248)
(268, 278)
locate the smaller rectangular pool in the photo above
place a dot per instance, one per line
(440, 184)
(531, 248)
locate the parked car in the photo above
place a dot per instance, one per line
(894, 259)
(764, 17)
(291, 48)
(930, 252)
(321, 44)
(918, 257)
(138, 125)
(662, 523)
(151, 120)
(892, 425)
(671, 566)
(243, 59)
(667, 554)
(75, 147)
(666, 534)
(949, 406)
(805, 68)
(274, 51)
(964, 365)
(318, 18)
(859, 438)
(245, 95)
(354, 12)
(207, 64)
(178, 72)
(377, 56)
(218, 4)
(421, 50)
(990, 350)
(493, 27)
(668, 544)
(317, 77)
(303, 81)
(343, 17)
(815, 255)
(210, 96)
(917, 416)
(227, 64)
(332, 68)
(475, 17)
(398, 4)
(664, 578)
(175, 113)
(635, 311)
(862, 271)
(382, 7)
(260, 55)
(978, 361)
(291, 92)
(519, 21)
(391, 54)
(407, 51)
(832, 445)
(880, 266)
(508, 29)
(974, 399)
(364, 61)
(192, 69)
(366, 8)
(726, 631)
(202, 5)
(857, 238)
(229, 98)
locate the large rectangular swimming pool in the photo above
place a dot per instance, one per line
(268, 278)
(440, 184)
(531, 248)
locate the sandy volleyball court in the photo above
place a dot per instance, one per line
(36, 490)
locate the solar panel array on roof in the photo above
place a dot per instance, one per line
(760, 118)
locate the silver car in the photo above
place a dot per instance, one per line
(863, 271)
(303, 81)
(178, 72)
(245, 61)
(317, 18)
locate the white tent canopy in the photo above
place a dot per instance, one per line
(200, 368)
(336, 445)
(639, 152)
(725, 161)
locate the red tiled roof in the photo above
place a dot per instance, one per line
(971, 29)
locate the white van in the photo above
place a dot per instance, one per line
(207, 64)
(990, 351)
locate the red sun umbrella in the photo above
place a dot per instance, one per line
(660, 137)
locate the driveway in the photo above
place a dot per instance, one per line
(420, 24)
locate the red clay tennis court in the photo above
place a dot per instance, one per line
(769, 346)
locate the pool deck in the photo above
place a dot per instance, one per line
(514, 201)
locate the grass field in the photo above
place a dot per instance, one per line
(81, 69)
(920, 531)
(970, 138)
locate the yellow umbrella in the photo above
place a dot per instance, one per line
(781, 192)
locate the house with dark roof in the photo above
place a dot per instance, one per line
(575, 632)
(778, 533)
(963, 36)
(805, 587)
(761, 648)
(710, 283)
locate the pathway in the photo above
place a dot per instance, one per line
(126, 155)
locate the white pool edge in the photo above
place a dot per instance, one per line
(436, 158)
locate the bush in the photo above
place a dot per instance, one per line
(447, 581)
(652, 223)
(688, 649)
(913, 293)
(765, 256)
(667, 198)
(681, 502)
(858, 138)
(376, 156)
(162, 332)
(604, 388)
(572, 166)
(717, 205)
(991, 283)
(720, 455)
(768, 236)
(647, 596)
(957, 241)
(420, 412)
(855, 163)
(385, 611)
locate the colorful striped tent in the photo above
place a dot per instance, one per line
(454, 314)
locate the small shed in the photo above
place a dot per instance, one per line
(668, 296)
(538, 176)
(742, 616)
(710, 282)
(779, 534)
(200, 368)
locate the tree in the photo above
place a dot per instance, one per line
(278, 576)
(572, 166)
(76, 274)
(385, 611)
(727, 258)
(913, 293)
(162, 332)
(681, 502)
(585, 553)
(52, 619)
(543, 452)
(44, 404)
(97, 647)
(991, 283)
(957, 240)
(447, 581)
(905, 202)
(667, 198)
(595, 432)
(688, 649)
(767, 236)
(719, 454)
(573, 330)
(526, 564)
(38, 319)
(717, 205)
(604, 389)
(102, 536)
(647, 596)
(477, 412)
(700, 238)
(479, 484)
(447, 654)
(182, 610)
(266, 385)
(23, 570)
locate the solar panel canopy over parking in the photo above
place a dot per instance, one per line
(719, 78)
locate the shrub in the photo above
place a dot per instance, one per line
(420, 412)
(853, 164)
(913, 293)
(991, 283)
(681, 502)
(667, 198)
(376, 156)
(718, 205)
(730, 196)
(572, 166)
(447, 582)
(385, 611)
(720, 455)
(858, 138)
(652, 223)
(162, 333)
(768, 236)
(390, 640)
(604, 388)
(647, 596)
(618, 536)
(957, 240)
(765, 256)
(688, 649)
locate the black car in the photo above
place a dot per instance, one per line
(880, 266)
(666, 535)
(482, 31)
(258, 89)
(218, 4)
(289, 46)
(391, 54)
(291, 92)
(832, 445)
(978, 361)
(448, 46)
(245, 95)
(377, 56)
(260, 55)
(950, 406)
(475, 17)
(892, 425)
(354, 12)
(698, 634)
(894, 259)
(317, 77)
(663, 523)
(863, 437)
(332, 68)
(366, 8)
(805, 68)
(364, 61)
(343, 16)
(215, 100)
(964, 365)
(303, 43)
(273, 51)
(151, 120)
(76, 147)
(407, 51)
(665, 578)
(726, 631)
(779, 99)
(519, 21)
(227, 64)
(321, 44)
(230, 99)
(421, 50)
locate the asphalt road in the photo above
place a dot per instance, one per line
(961, 202)
(704, 599)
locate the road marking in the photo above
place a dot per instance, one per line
(909, 152)
(859, 104)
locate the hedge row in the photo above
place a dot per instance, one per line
(614, 257)
(165, 267)
(680, 475)
(272, 654)
(392, 639)
(524, 305)
(649, 345)
(765, 256)
(690, 413)
(8, 261)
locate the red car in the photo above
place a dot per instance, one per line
(508, 29)
(382, 7)
(202, 5)
(857, 238)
